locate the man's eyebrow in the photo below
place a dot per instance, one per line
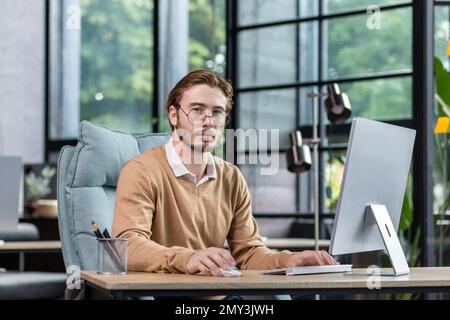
(199, 104)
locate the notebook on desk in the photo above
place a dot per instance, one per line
(294, 271)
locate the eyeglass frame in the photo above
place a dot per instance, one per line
(227, 117)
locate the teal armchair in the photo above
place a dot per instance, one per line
(86, 186)
(87, 177)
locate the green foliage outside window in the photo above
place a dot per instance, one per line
(355, 50)
(207, 35)
(116, 63)
(117, 58)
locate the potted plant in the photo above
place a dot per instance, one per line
(38, 186)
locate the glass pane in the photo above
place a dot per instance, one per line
(306, 192)
(441, 175)
(383, 99)
(333, 139)
(441, 147)
(351, 49)
(267, 56)
(116, 64)
(270, 193)
(309, 51)
(441, 190)
(308, 8)
(333, 174)
(263, 11)
(331, 6)
(207, 35)
(305, 105)
(272, 109)
(442, 33)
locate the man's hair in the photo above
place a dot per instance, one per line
(199, 77)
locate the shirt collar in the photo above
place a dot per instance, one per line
(179, 169)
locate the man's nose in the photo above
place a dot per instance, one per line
(208, 120)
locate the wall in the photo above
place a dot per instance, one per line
(22, 78)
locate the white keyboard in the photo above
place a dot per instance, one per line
(293, 271)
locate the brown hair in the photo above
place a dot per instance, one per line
(199, 77)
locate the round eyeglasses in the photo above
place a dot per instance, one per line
(198, 115)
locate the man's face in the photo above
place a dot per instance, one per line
(200, 135)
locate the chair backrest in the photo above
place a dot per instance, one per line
(87, 179)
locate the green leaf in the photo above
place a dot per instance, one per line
(442, 88)
(407, 208)
(407, 214)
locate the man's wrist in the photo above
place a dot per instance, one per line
(186, 256)
(284, 257)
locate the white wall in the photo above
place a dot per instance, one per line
(22, 78)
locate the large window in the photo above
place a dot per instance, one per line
(441, 165)
(285, 49)
(103, 66)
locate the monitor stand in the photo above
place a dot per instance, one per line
(378, 214)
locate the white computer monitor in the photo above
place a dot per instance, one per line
(371, 197)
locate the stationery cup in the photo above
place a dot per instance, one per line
(112, 256)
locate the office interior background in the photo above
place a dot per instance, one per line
(113, 63)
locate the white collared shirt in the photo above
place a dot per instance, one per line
(179, 169)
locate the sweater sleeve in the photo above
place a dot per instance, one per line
(136, 196)
(243, 238)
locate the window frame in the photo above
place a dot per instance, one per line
(422, 83)
(423, 94)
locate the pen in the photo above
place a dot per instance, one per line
(109, 247)
(96, 229)
(106, 233)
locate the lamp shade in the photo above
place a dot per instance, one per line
(298, 155)
(337, 105)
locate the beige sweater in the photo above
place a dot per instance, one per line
(166, 218)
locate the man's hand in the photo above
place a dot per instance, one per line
(310, 258)
(208, 261)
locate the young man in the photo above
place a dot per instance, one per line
(177, 204)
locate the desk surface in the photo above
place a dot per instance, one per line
(254, 280)
(30, 246)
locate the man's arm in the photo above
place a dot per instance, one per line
(248, 249)
(243, 239)
(134, 209)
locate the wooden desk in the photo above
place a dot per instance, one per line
(31, 246)
(22, 247)
(423, 280)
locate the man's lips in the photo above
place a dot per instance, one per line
(208, 138)
(205, 136)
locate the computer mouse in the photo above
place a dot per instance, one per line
(230, 272)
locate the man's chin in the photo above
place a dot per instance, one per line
(208, 147)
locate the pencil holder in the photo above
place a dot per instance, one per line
(112, 255)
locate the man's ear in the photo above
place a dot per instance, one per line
(173, 116)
